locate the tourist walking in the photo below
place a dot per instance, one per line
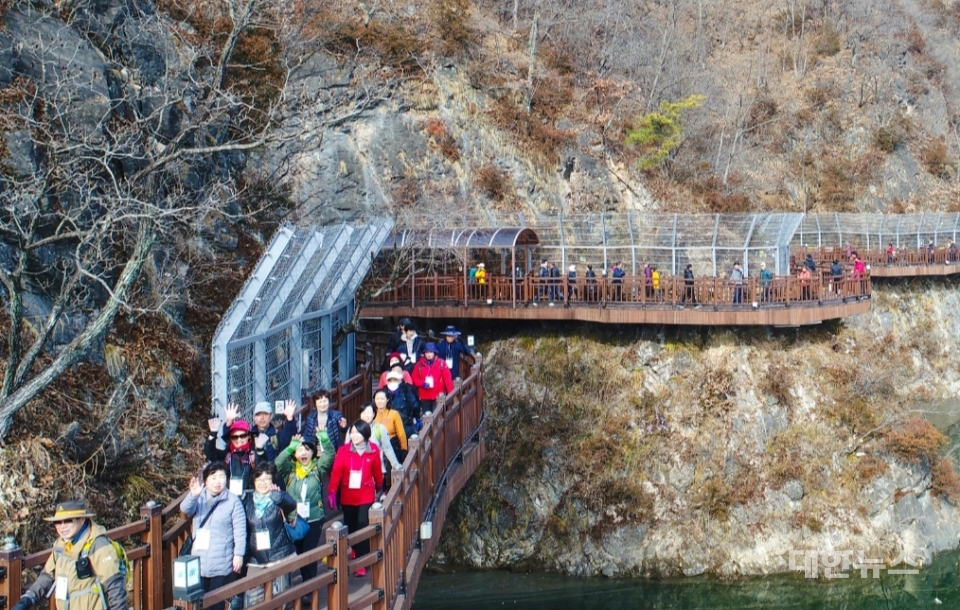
(736, 276)
(380, 436)
(83, 572)
(688, 286)
(219, 529)
(766, 278)
(299, 467)
(242, 452)
(450, 350)
(432, 378)
(390, 419)
(268, 541)
(324, 428)
(356, 479)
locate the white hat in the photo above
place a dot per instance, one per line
(395, 375)
(573, 267)
(481, 266)
(262, 407)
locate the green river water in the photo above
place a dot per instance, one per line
(936, 585)
(487, 590)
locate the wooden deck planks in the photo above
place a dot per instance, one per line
(798, 315)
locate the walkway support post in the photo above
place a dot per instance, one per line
(338, 595)
(11, 572)
(377, 570)
(152, 587)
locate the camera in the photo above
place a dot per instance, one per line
(84, 569)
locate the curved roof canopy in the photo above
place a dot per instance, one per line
(476, 238)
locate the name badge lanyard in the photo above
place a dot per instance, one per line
(303, 507)
(356, 475)
(262, 536)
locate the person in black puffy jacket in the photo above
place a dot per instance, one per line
(267, 509)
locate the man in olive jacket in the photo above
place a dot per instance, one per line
(83, 571)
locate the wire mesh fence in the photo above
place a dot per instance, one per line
(877, 231)
(711, 243)
(287, 333)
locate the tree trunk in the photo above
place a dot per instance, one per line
(79, 347)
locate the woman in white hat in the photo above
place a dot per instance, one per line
(481, 275)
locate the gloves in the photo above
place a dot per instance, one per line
(24, 604)
(332, 500)
(294, 444)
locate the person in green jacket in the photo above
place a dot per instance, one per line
(303, 473)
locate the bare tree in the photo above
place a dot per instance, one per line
(109, 169)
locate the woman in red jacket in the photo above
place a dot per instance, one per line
(357, 476)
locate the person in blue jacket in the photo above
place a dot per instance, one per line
(451, 349)
(324, 428)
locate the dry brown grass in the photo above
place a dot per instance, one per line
(915, 440)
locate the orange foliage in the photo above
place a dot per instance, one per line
(915, 440)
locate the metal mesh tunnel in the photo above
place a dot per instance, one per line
(710, 242)
(279, 338)
(876, 231)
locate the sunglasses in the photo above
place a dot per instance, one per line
(236, 436)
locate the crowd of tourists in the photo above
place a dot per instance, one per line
(270, 484)
(655, 286)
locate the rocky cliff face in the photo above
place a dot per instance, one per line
(668, 452)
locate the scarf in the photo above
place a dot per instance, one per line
(303, 471)
(83, 530)
(261, 503)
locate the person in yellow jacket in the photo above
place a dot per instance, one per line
(84, 571)
(481, 275)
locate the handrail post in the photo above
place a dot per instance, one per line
(377, 570)
(152, 586)
(11, 562)
(338, 595)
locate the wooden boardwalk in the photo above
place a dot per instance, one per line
(783, 301)
(906, 262)
(404, 527)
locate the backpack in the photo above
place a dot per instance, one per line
(126, 567)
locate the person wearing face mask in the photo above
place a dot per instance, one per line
(243, 452)
(267, 539)
(323, 428)
(403, 399)
(380, 436)
(396, 361)
(299, 466)
(219, 528)
(432, 378)
(391, 421)
(357, 478)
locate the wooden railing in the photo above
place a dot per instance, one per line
(630, 290)
(439, 461)
(902, 257)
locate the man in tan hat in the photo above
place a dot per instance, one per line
(84, 571)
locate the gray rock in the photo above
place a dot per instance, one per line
(20, 160)
(794, 490)
(71, 72)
